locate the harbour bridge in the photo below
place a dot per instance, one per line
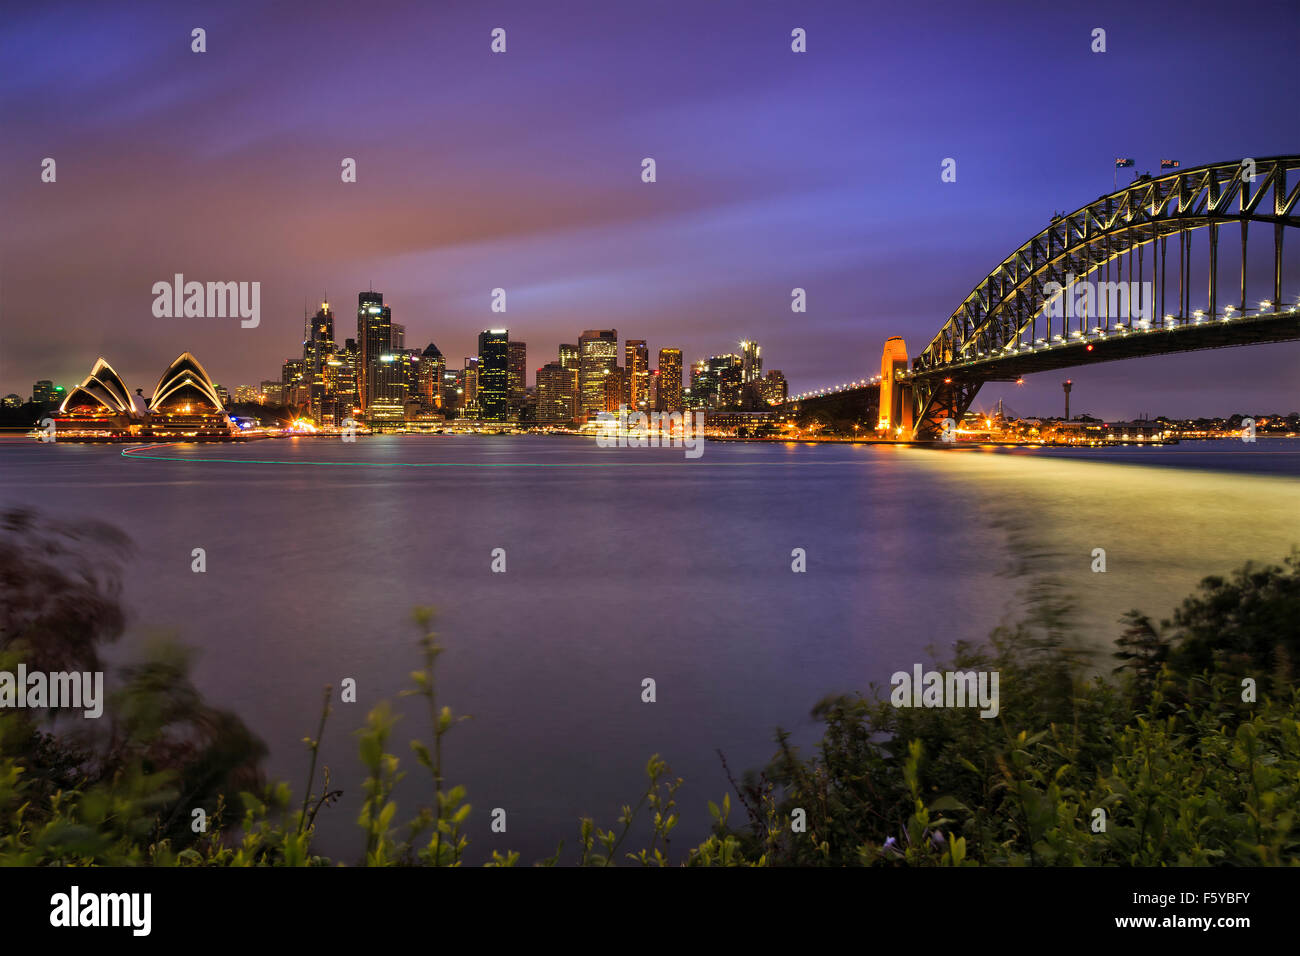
(1096, 285)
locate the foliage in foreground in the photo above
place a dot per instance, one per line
(1175, 760)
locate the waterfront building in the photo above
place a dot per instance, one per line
(557, 393)
(517, 372)
(751, 359)
(670, 380)
(494, 374)
(636, 362)
(597, 358)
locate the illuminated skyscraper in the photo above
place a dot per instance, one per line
(597, 358)
(317, 350)
(670, 380)
(772, 387)
(432, 368)
(557, 393)
(751, 359)
(636, 362)
(569, 356)
(374, 340)
(494, 374)
(517, 372)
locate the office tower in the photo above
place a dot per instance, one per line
(47, 396)
(317, 350)
(272, 392)
(569, 356)
(374, 340)
(751, 358)
(616, 389)
(670, 380)
(453, 382)
(636, 362)
(722, 380)
(597, 358)
(291, 373)
(12, 400)
(772, 387)
(469, 389)
(494, 374)
(517, 372)
(557, 393)
(346, 399)
(432, 368)
(399, 337)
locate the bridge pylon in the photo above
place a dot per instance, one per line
(895, 391)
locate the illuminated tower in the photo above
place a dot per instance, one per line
(670, 380)
(494, 374)
(597, 359)
(636, 362)
(895, 406)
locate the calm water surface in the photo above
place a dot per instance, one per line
(635, 563)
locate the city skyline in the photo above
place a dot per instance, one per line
(800, 183)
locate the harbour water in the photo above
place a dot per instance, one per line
(621, 565)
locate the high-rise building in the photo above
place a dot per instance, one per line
(570, 356)
(345, 373)
(670, 380)
(615, 388)
(432, 368)
(597, 358)
(517, 372)
(722, 380)
(47, 395)
(494, 374)
(557, 393)
(453, 387)
(272, 392)
(751, 359)
(772, 387)
(636, 362)
(12, 400)
(469, 389)
(374, 341)
(317, 351)
(399, 337)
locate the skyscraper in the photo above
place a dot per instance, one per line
(569, 356)
(636, 362)
(517, 372)
(751, 359)
(494, 374)
(557, 393)
(317, 350)
(374, 340)
(597, 358)
(670, 380)
(432, 368)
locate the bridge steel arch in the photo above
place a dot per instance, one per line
(1002, 330)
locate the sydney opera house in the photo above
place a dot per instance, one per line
(184, 405)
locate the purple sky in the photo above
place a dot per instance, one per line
(522, 171)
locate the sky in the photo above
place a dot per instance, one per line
(522, 170)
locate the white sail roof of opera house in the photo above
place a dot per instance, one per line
(102, 387)
(185, 379)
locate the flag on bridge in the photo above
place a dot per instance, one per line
(1122, 163)
(1168, 164)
